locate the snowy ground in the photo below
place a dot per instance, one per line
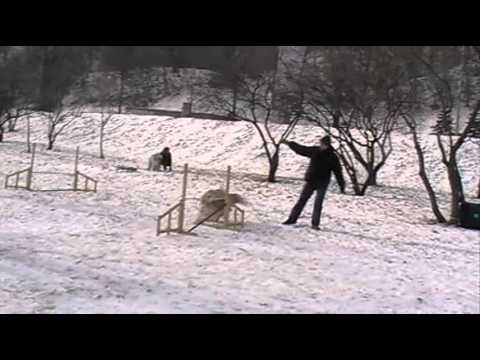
(65, 252)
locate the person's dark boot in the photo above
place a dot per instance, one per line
(289, 222)
(315, 227)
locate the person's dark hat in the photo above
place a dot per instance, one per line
(327, 140)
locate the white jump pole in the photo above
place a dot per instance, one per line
(75, 170)
(28, 134)
(181, 215)
(30, 170)
(226, 210)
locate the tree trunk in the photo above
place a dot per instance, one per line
(234, 102)
(273, 165)
(44, 92)
(102, 128)
(12, 122)
(372, 178)
(28, 135)
(352, 173)
(426, 182)
(355, 184)
(356, 189)
(478, 189)
(371, 171)
(457, 195)
(431, 193)
(50, 143)
(1, 133)
(50, 136)
(166, 85)
(468, 82)
(122, 90)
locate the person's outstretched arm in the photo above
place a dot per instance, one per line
(337, 170)
(300, 149)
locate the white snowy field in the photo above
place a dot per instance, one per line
(65, 252)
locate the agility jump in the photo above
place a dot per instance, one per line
(23, 179)
(179, 210)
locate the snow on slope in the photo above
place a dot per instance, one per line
(215, 144)
(71, 252)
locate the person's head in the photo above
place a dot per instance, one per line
(166, 149)
(325, 142)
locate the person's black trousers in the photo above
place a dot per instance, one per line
(307, 192)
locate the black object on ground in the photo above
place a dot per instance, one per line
(470, 215)
(126, 168)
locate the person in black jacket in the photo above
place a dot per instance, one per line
(166, 161)
(323, 161)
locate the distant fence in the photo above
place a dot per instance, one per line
(177, 114)
(142, 111)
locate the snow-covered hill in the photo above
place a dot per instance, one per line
(77, 252)
(215, 145)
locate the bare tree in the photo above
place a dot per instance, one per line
(101, 95)
(412, 123)
(13, 115)
(60, 119)
(105, 98)
(105, 118)
(145, 87)
(478, 189)
(5, 95)
(477, 51)
(449, 142)
(232, 73)
(29, 148)
(443, 83)
(18, 82)
(121, 59)
(62, 96)
(4, 106)
(354, 94)
(7, 101)
(3, 121)
(253, 103)
(62, 68)
(106, 115)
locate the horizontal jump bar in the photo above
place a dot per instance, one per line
(52, 173)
